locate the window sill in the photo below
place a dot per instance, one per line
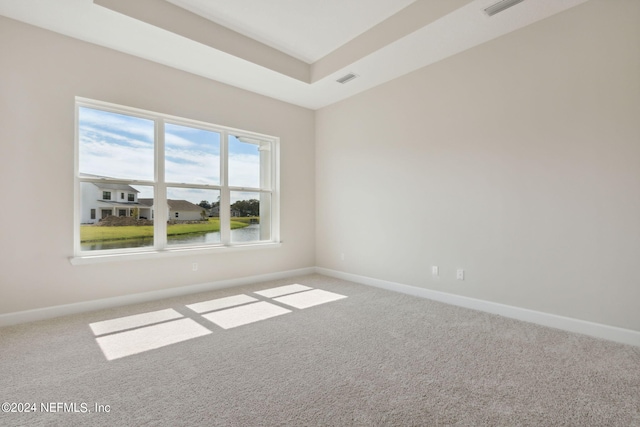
(132, 256)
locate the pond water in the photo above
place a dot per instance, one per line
(250, 233)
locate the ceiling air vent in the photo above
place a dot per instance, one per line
(347, 78)
(500, 6)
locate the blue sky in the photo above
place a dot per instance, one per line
(121, 146)
(115, 145)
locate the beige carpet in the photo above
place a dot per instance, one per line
(326, 352)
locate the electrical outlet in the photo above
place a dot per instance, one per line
(434, 271)
(460, 274)
(342, 256)
(194, 266)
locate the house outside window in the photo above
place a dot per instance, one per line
(165, 164)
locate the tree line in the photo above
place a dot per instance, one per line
(240, 208)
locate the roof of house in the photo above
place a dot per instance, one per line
(107, 185)
(102, 203)
(123, 187)
(174, 205)
(183, 205)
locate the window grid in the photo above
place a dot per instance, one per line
(160, 186)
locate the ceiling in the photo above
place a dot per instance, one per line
(304, 29)
(292, 50)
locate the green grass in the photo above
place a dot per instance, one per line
(246, 220)
(94, 233)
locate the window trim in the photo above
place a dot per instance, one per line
(160, 186)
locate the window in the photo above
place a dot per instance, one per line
(221, 183)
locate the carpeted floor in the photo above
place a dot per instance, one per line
(374, 358)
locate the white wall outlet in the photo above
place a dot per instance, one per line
(194, 266)
(434, 271)
(342, 256)
(460, 274)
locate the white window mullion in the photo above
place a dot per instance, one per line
(275, 190)
(160, 196)
(266, 182)
(77, 208)
(225, 196)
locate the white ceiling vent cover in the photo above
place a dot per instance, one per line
(500, 6)
(347, 78)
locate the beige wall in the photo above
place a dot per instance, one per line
(518, 161)
(40, 75)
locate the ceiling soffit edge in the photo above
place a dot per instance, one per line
(412, 18)
(182, 22)
(177, 20)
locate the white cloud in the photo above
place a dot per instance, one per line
(172, 140)
(100, 157)
(117, 123)
(122, 146)
(192, 167)
(244, 170)
(116, 145)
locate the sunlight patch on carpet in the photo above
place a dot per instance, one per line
(309, 299)
(129, 335)
(135, 321)
(238, 316)
(282, 290)
(220, 303)
(148, 338)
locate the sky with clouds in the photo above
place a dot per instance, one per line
(121, 146)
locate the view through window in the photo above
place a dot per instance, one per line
(147, 181)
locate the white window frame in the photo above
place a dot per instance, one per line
(161, 248)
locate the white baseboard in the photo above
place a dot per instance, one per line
(612, 333)
(82, 307)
